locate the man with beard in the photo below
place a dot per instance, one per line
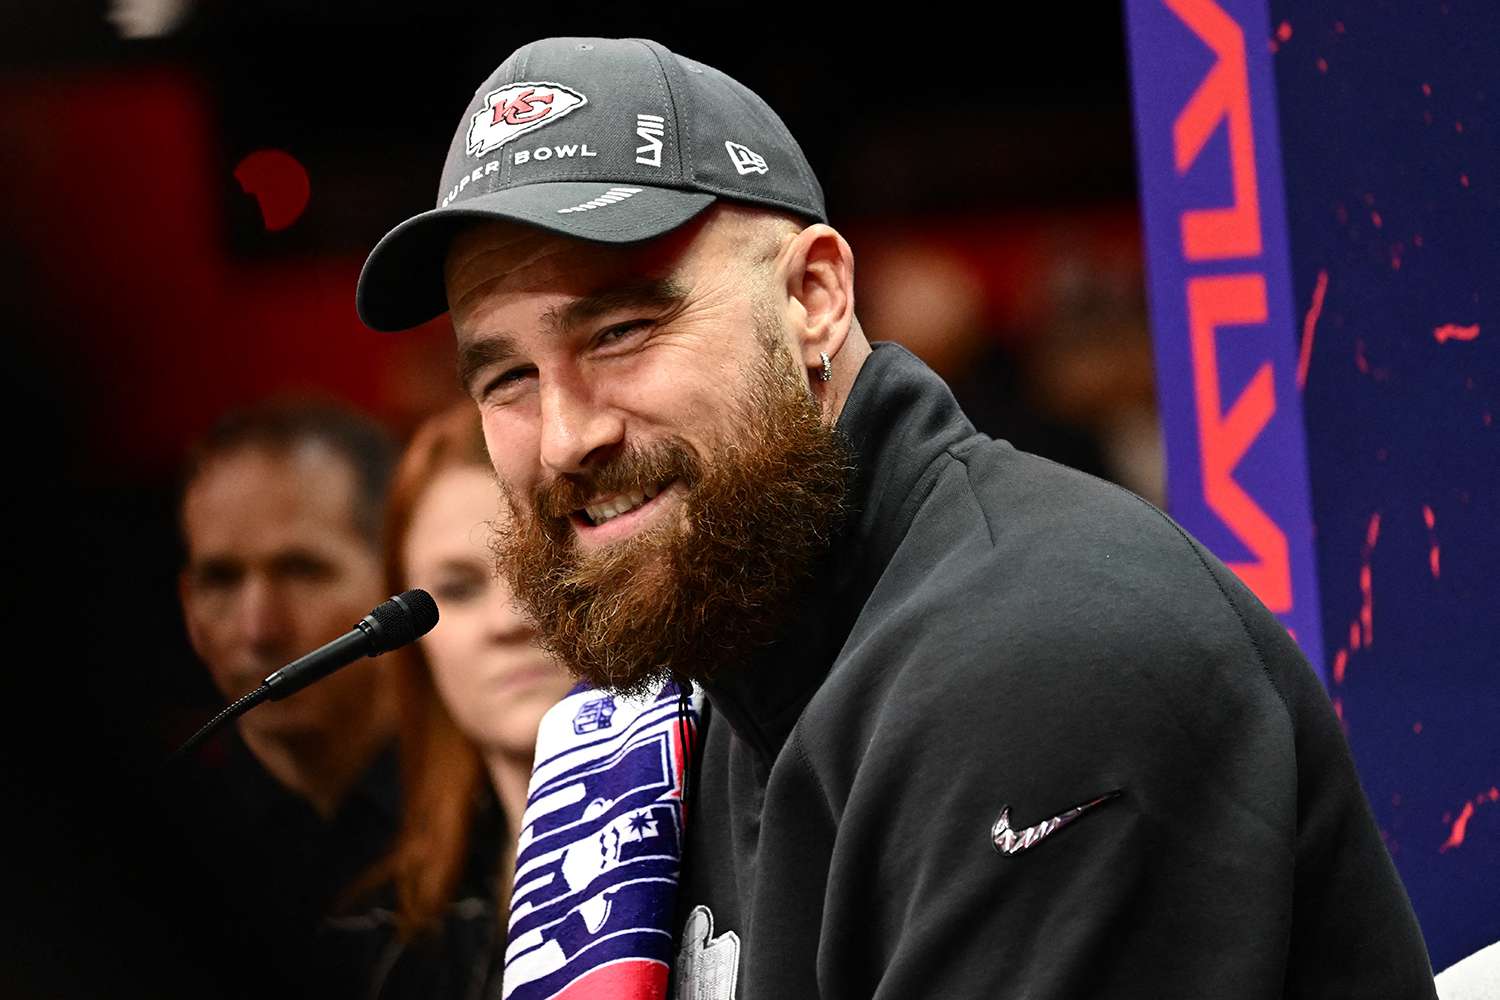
(975, 724)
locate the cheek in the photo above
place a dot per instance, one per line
(224, 679)
(209, 634)
(673, 393)
(330, 607)
(452, 652)
(663, 403)
(321, 605)
(511, 437)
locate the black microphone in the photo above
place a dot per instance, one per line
(394, 623)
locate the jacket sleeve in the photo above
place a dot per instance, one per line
(1238, 859)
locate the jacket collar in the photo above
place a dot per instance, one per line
(900, 419)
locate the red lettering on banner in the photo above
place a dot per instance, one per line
(1223, 96)
(523, 108)
(1226, 434)
(1224, 437)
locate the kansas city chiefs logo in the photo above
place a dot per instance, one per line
(517, 109)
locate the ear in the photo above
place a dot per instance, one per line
(819, 270)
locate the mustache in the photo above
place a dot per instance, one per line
(636, 467)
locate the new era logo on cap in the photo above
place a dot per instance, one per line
(517, 109)
(745, 159)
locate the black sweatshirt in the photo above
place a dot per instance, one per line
(993, 631)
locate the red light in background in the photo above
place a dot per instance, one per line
(1459, 831)
(1310, 327)
(1434, 550)
(279, 183)
(1452, 331)
(1460, 828)
(1362, 628)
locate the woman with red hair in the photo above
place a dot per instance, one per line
(472, 694)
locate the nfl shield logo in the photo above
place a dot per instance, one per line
(594, 715)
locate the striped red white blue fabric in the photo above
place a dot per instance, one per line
(600, 849)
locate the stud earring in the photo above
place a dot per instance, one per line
(827, 373)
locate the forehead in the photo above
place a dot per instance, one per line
(258, 498)
(491, 261)
(454, 512)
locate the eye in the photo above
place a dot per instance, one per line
(506, 380)
(216, 576)
(306, 567)
(458, 587)
(620, 331)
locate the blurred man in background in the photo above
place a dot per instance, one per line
(281, 515)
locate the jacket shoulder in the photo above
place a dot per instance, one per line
(1039, 618)
(1016, 565)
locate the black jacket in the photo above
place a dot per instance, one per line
(257, 884)
(994, 630)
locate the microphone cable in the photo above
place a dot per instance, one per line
(239, 707)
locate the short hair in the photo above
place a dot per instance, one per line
(279, 426)
(763, 231)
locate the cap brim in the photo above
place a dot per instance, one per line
(401, 285)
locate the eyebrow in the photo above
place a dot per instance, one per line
(663, 295)
(653, 293)
(476, 355)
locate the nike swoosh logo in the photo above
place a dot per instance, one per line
(1010, 841)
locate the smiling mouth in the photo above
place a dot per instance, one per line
(606, 510)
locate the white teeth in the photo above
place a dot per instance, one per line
(615, 506)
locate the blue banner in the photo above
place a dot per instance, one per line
(1222, 315)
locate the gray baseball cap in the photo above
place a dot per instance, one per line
(602, 139)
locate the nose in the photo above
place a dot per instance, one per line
(263, 621)
(576, 428)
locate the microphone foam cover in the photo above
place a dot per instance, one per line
(404, 618)
(424, 611)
